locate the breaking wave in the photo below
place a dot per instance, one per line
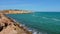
(34, 31)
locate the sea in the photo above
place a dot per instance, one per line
(39, 22)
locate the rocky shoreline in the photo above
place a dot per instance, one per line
(9, 26)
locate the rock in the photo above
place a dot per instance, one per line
(8, 26)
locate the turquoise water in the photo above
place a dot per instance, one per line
(43, 22)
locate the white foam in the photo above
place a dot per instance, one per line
(21, 25)
(45, 17)
(34, 32)
(39, 32)
(33, 15)
(55, 19)
(36, 16)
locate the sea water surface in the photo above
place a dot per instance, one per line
(40, 22)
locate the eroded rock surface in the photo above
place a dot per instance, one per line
(8, 26)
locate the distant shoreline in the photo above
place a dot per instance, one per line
(15, 11)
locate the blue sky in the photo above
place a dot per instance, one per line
(36, 5)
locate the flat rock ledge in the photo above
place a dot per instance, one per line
(9, 26)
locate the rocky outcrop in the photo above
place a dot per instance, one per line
(9, 26)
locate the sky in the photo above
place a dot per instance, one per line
(36, 5)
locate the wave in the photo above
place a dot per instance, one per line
(34, 31)
(45, 17)
(40, 17)
(33, 15)
(55, 19)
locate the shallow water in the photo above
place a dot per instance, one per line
(42, 22)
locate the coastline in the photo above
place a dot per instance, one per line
(12, 24)
(15, 11)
